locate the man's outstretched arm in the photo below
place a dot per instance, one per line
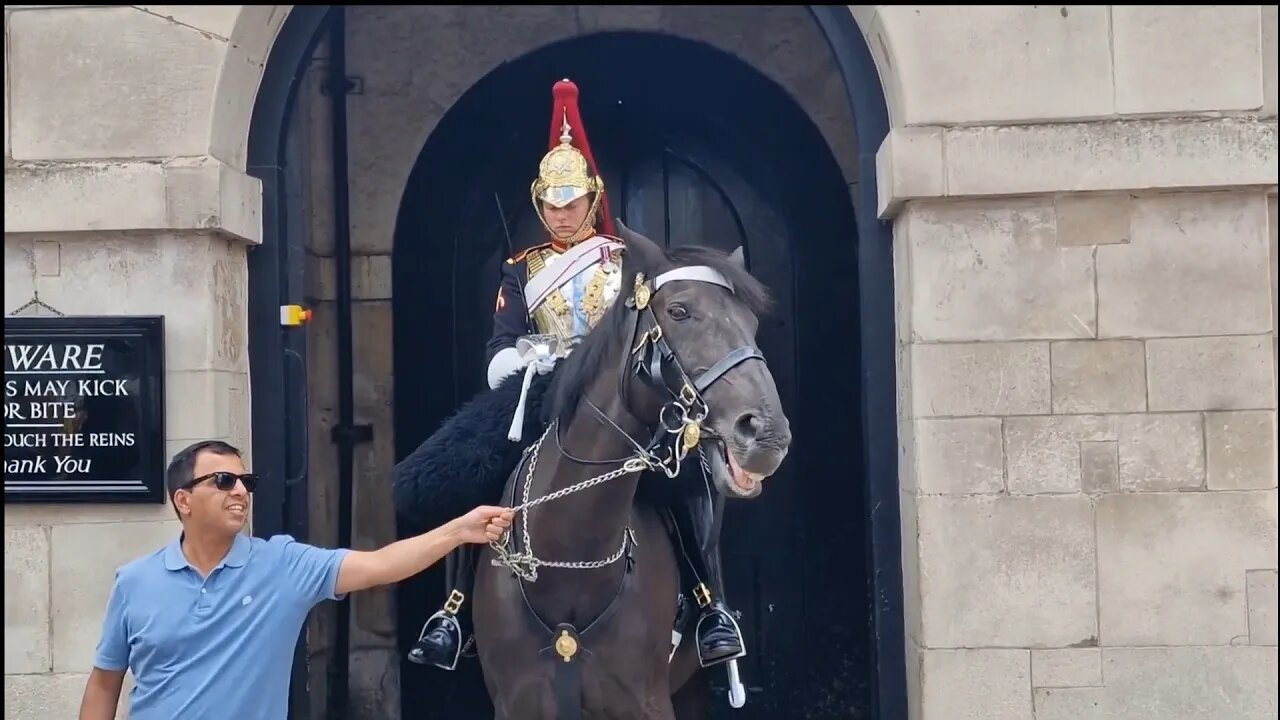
(408, 557)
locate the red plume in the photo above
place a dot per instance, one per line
(564, 102)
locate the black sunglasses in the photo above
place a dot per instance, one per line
(226, 481)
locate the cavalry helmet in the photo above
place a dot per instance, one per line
(568, 171)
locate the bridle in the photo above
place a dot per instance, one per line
(654, 362)
(680, 419)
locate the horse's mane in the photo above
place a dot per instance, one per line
(587, 360)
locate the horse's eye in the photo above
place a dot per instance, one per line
(677, 312)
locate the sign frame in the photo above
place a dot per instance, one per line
(148, 332)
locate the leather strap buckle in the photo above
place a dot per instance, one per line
(702, 594)
(454, 603)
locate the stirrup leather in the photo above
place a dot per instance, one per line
(451, 625)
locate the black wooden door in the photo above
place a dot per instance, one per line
(680, 193)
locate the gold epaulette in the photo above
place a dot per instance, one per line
(521, 255)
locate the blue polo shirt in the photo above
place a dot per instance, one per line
(215, 647)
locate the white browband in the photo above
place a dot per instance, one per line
(694, 272)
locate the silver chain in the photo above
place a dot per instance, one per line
(526, 564)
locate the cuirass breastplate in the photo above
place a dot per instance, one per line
(571, 310)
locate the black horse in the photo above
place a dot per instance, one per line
(573, 613)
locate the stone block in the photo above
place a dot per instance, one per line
(1044, 453)
(84, 196)
(181, 194)
(1007, 572)
(909, 516)
(26, 599)
(1260, 594)
(19, 274)
(1273, 239)
(976, 685)
(37, 697)
(908, 166)
(1171, 566)
(1092, 219)
(1161, 452)
(1269, 61)
(206, 404)
(1035, 62)
(85, 558)
(47, 255)
(903, 291)
(1068, 667)
(914, 664)
(1210, 373)
(1099, 466)
(215, 20)
(959, 457)
(370, 277)
(1098, 376)
(29, 514)
(28, 697)
(983, 271)
(603, 18)
(1110, 156)
(1240, 450)
(987, 379)
(1187, 683)
(200, 285)
(1195, 265)
(105, 59)
(1095, 453)
(1186, 58)
(6, 88)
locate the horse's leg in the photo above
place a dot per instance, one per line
(693, 700)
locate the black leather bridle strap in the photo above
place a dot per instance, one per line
(727, 363)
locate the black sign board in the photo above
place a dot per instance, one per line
(84, 409)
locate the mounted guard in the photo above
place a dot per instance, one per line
(550, 296)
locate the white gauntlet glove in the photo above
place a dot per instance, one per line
(537, 354)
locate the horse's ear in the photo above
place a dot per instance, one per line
(736, 258)
(645, 253)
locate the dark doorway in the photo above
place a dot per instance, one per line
(696, 147)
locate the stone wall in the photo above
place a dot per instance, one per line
(113, 206)
(1092, 411)
(1087, 399)
(1083, 200)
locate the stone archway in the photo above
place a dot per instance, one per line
(853, 140)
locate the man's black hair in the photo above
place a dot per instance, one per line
(183, 465)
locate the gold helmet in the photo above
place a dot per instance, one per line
(568, 172)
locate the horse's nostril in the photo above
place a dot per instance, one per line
(748, 427)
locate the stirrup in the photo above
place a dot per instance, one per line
(737, 631)
(451, 625)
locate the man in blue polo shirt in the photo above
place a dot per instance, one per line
(209, 622)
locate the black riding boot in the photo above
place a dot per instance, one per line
(718, 635)
(441, 641)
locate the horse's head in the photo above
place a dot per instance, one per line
(706, 306)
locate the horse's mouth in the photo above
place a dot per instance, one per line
(729, 476)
